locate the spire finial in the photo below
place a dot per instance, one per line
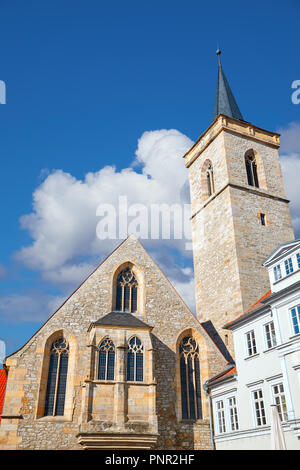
(225, 102)
(218, 52)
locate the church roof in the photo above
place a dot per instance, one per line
(121, 319)
(230, 371)
(3, 379)
(224, 101)
(216, 338)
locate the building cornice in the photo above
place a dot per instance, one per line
(257, 192)
(232, 126)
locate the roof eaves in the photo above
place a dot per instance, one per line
(271, 256)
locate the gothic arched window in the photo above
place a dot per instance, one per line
(190, 379)
(251, 169)
(210, 180)
(57, 378)
(135, 360)
(207, 180)
(127, 291)
(106, 360)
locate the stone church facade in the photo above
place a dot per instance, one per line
(122, 363)
(105, 408)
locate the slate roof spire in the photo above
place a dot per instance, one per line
(225, 102)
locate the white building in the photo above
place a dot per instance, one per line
(267, 369)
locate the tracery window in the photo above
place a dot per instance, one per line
(210, 180)
(127, 291)
(251, 168)
(106, 360)
(190, 379)
(135, 360)
(57, 378)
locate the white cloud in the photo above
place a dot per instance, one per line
(65, 248)
(291, 170)
(28, 308)
(186, 290)
(290, 163)
(63, 222)
(290, 138)
(69, 273)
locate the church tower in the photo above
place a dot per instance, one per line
(239, 210)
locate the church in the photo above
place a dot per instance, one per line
(122, 363)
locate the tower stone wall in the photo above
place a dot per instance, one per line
(229, 240)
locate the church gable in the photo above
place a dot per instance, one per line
(112, 359)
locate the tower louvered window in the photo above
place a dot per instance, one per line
(135, 360)
(106, 360)
(190, 379)
(57, 378)
(251, 169)
(127, 291)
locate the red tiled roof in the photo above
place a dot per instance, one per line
(257, 304)
(230, 372)
(225, 373)
(2, 388)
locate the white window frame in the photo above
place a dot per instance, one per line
(289, 266)
(253, 400)
(223, 417)
(229, 408)
(283, 413)
(277, 273)
(265, 335)
(297, 308)
(253, 337)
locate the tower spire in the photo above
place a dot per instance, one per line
(225, 102)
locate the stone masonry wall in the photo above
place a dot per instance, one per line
(229, 241)
(24, 426)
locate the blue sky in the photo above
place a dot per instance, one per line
(85, 80)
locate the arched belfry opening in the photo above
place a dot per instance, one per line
(251, 168)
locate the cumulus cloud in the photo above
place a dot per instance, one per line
(291, 171)
(290, 138)
(186, 288)
(63, 222)
(69, 273)
(290, 163)
(28, 308)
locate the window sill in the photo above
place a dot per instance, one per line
(113, 382)
(285, 276)
(270, 349)
(98, 381)
(54, 419)
(251, 357)
(296, 335)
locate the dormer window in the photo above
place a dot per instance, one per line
(288, 264)
(298, 260)
(277, 272)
